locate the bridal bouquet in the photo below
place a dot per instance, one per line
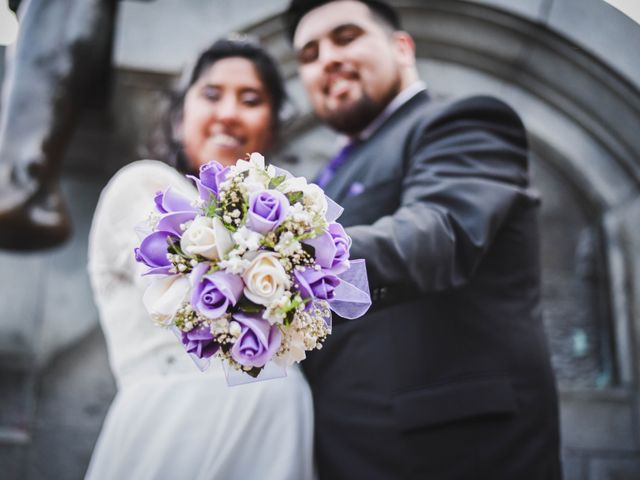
(250, 268)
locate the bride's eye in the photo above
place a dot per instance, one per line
(211, 93)
(251, 98)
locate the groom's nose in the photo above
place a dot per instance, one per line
(330, 55)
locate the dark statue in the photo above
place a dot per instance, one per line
(59, 64)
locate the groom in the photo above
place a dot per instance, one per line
(448, 375)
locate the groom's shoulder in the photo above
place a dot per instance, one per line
(483, 108)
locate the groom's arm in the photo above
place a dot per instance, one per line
(467, 171)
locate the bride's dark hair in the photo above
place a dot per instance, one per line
(165, 145)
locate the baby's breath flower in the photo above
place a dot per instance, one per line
(247, 239)
(197, 203)
(234, 264)
(288, 245)
(153, 219)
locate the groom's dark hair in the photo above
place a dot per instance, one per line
(299, 8)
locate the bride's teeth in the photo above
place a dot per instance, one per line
(224, 140)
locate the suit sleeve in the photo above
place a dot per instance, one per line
(467, 170)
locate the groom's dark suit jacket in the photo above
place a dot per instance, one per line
(448, 375)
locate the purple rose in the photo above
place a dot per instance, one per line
(212, 174)
(342, 242)
(215, 293)
(332, 248)
(172, 201)
(175, 208)
(200, 342)
(267, 210)
(158, 201)
(170, 222)
(153, 251)
(315, 284)
(258, 341)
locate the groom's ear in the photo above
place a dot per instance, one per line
(404, 47)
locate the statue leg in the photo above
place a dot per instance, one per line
(61, 57)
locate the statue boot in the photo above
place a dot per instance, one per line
(58, 64)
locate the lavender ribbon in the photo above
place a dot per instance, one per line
(270, 371)
(351, 298)
(333, 210)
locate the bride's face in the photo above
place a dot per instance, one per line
(226, 114)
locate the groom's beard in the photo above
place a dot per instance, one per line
(354, 118)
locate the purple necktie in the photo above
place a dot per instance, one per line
(332, 167)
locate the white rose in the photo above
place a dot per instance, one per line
(293, 184)
(265, 280)
(207, 237)
(295, 352)
(254, 183)
(240, 166)
(313, 196)
(164, 296)
(255, 161)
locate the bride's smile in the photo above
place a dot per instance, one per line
(227, 113)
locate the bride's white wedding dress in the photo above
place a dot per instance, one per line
(168, 419)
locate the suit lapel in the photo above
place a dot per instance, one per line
(359, 166)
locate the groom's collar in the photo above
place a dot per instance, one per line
(399, 100)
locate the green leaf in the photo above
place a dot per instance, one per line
(289, 317)
(309, 249)
(211, 209)
(248, 306)
(254, 372)
(174, 247)
(275, 181)
(294, 197)
(212, 269)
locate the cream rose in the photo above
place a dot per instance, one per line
(207, 237)
(163, 297)
(265, 279)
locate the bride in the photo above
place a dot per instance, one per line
(168, 419)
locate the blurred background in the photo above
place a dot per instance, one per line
(569, 67)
